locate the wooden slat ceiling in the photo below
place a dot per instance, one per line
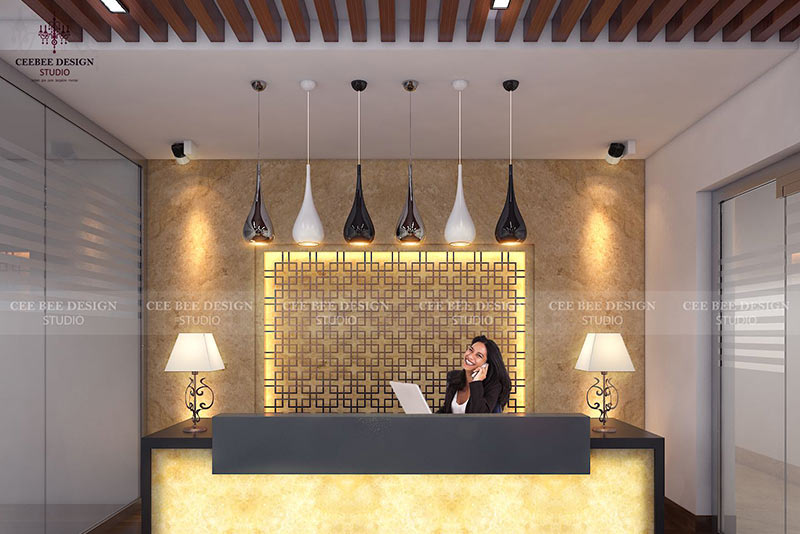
(733, 19)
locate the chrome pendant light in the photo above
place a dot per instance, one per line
(358, 229)
(410, 230)
(460, 230)
(307, 230)
(258, 228)
(510, 229)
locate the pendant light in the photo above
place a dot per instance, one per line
(410, 230)
(358, 229)
(258, 228)
(308, 231)
(460, 230)
(510, 229)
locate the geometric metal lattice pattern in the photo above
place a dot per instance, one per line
(339, 325)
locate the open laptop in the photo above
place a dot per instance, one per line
(410, 397)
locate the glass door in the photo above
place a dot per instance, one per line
(752, 327)
(70, 323)
(22, 288)
(793, 363)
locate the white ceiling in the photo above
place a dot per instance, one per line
(572, 101)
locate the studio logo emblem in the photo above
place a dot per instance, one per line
(55, 33)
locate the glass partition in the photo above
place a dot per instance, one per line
(760, 353)
(752, 381)
(70, 300)
(92, 370)
(793, 363)
(22, 289)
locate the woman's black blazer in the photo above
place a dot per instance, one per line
(483, 395)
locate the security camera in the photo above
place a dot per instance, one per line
(182, 150)
(617, 150)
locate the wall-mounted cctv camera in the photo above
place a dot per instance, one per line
(182, 151)
(619, 149)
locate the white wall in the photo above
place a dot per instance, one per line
(757, 126)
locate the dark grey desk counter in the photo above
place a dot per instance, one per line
(530, 444)
(401, 444)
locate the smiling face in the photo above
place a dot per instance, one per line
(474, 356)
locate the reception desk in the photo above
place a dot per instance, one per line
(402, 473)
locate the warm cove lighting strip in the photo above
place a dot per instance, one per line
(445, 262)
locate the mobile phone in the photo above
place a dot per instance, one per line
(478, 370)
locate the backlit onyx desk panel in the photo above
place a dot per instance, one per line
(402, 473)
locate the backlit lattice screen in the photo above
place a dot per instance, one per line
(338, 326)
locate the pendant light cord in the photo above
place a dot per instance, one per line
(510, 123)
(409, 128)
(308, 127)
(258, 129)
(359, 126)
(459, 127)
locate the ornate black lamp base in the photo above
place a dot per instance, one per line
(610, 399)
(190, 398)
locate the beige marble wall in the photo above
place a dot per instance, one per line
(585, 219)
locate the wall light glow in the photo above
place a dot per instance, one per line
(598, 245)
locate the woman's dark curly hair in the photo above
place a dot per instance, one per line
(496, 373)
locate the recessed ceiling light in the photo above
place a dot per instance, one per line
(115, 6)
(500, 4)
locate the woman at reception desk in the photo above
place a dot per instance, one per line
(482, 385)
(393, 473)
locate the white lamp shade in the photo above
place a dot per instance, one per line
(460, 230)
(604, 352)
(308, 229)
(195, 352)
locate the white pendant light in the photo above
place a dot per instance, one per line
(460, 230)
(308, 231)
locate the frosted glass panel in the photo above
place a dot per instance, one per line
(793, 363)
(22, 343)
(70, 301)
(753, 363)
(93, 365)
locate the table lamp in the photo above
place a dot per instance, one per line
(194, 353)
(604, 353)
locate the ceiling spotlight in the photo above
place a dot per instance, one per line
(117, 7)
(182, 150)
(500, 4)
(615, 153)
(619, 149)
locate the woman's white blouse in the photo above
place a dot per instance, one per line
(456, 407)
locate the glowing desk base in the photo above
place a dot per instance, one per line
(617, 497)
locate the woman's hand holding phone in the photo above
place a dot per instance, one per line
(478, 374)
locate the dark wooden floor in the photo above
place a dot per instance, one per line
(127, 522)
(676, 521)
